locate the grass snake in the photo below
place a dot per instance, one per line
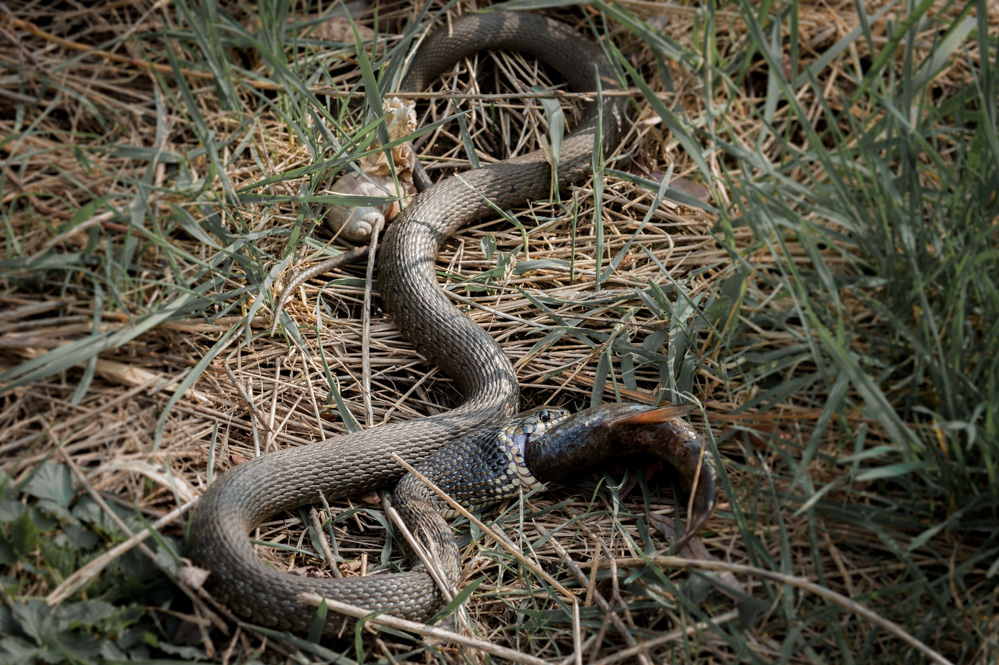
(466, 436)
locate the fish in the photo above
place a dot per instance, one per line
(587, 437)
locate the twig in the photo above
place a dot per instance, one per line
(258, 418)
(430, 561)
(272, 416)
(495, 312)
(671, 636)
(415, 388)
(284, 421)
(346, 258)
(695, 549)
(17, 42)
(577, 640)
(591, 584)
(314, 599)
(586, 96)
(317, 528)
(316, 411)
(601, 601)
(247, 393)
(599, 636)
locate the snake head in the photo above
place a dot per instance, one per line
(520, 432)
(522, 429)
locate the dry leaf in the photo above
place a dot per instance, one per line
(193, 576)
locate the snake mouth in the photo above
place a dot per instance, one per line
(528, 426)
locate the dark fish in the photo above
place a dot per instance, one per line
(592, 435)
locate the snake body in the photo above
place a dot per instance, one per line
(249, 493)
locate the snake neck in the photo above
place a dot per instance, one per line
(440, 331)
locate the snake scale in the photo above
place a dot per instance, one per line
(249, 493)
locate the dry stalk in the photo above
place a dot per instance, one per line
(570, 597)
(420, 629)
(790, 580)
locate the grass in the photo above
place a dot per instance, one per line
(819, 274)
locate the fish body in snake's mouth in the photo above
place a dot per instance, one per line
(611, 430)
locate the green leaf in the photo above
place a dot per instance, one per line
(318, 622)
(17, 650)
(83, 539)
(51, 512)
(556, 127)
(467, 143)
(61, 560)
(83, 614)
(45, 514)
(87, 510)
(488, 245)
(188, 654)
(11, 509)
(539, 264)
(34, 618)
(81, 646)
(23, 535)
(8, 556)
(359, 634)
(51, 481)
(893, 470)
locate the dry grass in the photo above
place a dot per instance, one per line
(130, 242)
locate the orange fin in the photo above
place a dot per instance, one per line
(654, 416)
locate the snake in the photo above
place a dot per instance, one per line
(480, 443)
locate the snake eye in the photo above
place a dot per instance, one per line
(545, 416)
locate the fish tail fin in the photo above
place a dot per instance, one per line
(653, 416)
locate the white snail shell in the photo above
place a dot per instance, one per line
(356, 223)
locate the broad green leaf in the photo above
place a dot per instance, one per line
(23, 535)
(52, 481)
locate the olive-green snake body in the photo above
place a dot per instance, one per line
(251, 492)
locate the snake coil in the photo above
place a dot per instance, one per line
(247, 494)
